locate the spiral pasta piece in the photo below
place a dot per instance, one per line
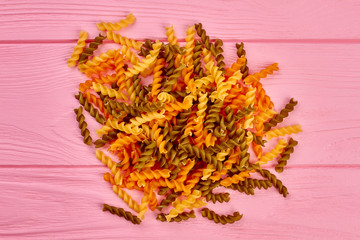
(202, 106)
(285, 155)
(159, 138)
(278, 118)
(147, 117)
(127, 128)
(208, 171)
(123, 140)
(83, 126)
(90, 50)
(156, 85)
(97, 60)
(235, 178)
(277, 132)
(127, 198)
(103, 26)
(180, 206)
(224, 87)
(262, 74)
(220, 197)
(97, 102)
(118, 176)
(181, 217)
(122, 213)
(275, 152)
(211, 215)
(150, 174)
(143, 65)
(117, 38)
(79, 48)
(170, 33)
(189, 46)
(109, 92)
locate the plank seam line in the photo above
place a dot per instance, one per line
(290, 41)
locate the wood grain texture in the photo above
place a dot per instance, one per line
(51, 182)
(47, 133)
(68, 202)
(229, 20)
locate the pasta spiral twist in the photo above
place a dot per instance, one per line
(118, 177)
(205, 39)
(122, 213)
(129, 55)
(83, 126)
(189, 46)
(156, 85)
(117, 38)
(275, 182)
(97, 69)
(141, 66)
(147, 117)
(122, 141)
(278, 118)
(277, 132)
(235, 178)
(103, 26)
(197, 59)
(113, 105)
(180, 206)
(150, 174)
(202, 154)
(256, 183)
(97, 60)
(282, 161)
(203, 100)
(219, 57)
(220, 197)
(92, 47)
(146, 155)
(262, 74)
(159, 138)
(79, 48)
(216, 73)
(224, 87)
(105, 139)
(181, 217)
(90, 108)
(97, 102)
(148, 107)
(275, 152)
(241, 52)
(170, 33)
(168, 85)
(168, 200)
(109, 92)
(211, 215)
(243, 189)
(128, 128)
(127, 198)
(213, 114)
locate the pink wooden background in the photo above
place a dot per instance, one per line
(51, 183)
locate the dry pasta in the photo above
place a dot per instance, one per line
(187, 132)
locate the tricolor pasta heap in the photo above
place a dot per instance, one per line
(185, 134)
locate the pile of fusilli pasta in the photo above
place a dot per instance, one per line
(185, 134)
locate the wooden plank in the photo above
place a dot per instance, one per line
(65, 203)
(230, 20)
(38, 125)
